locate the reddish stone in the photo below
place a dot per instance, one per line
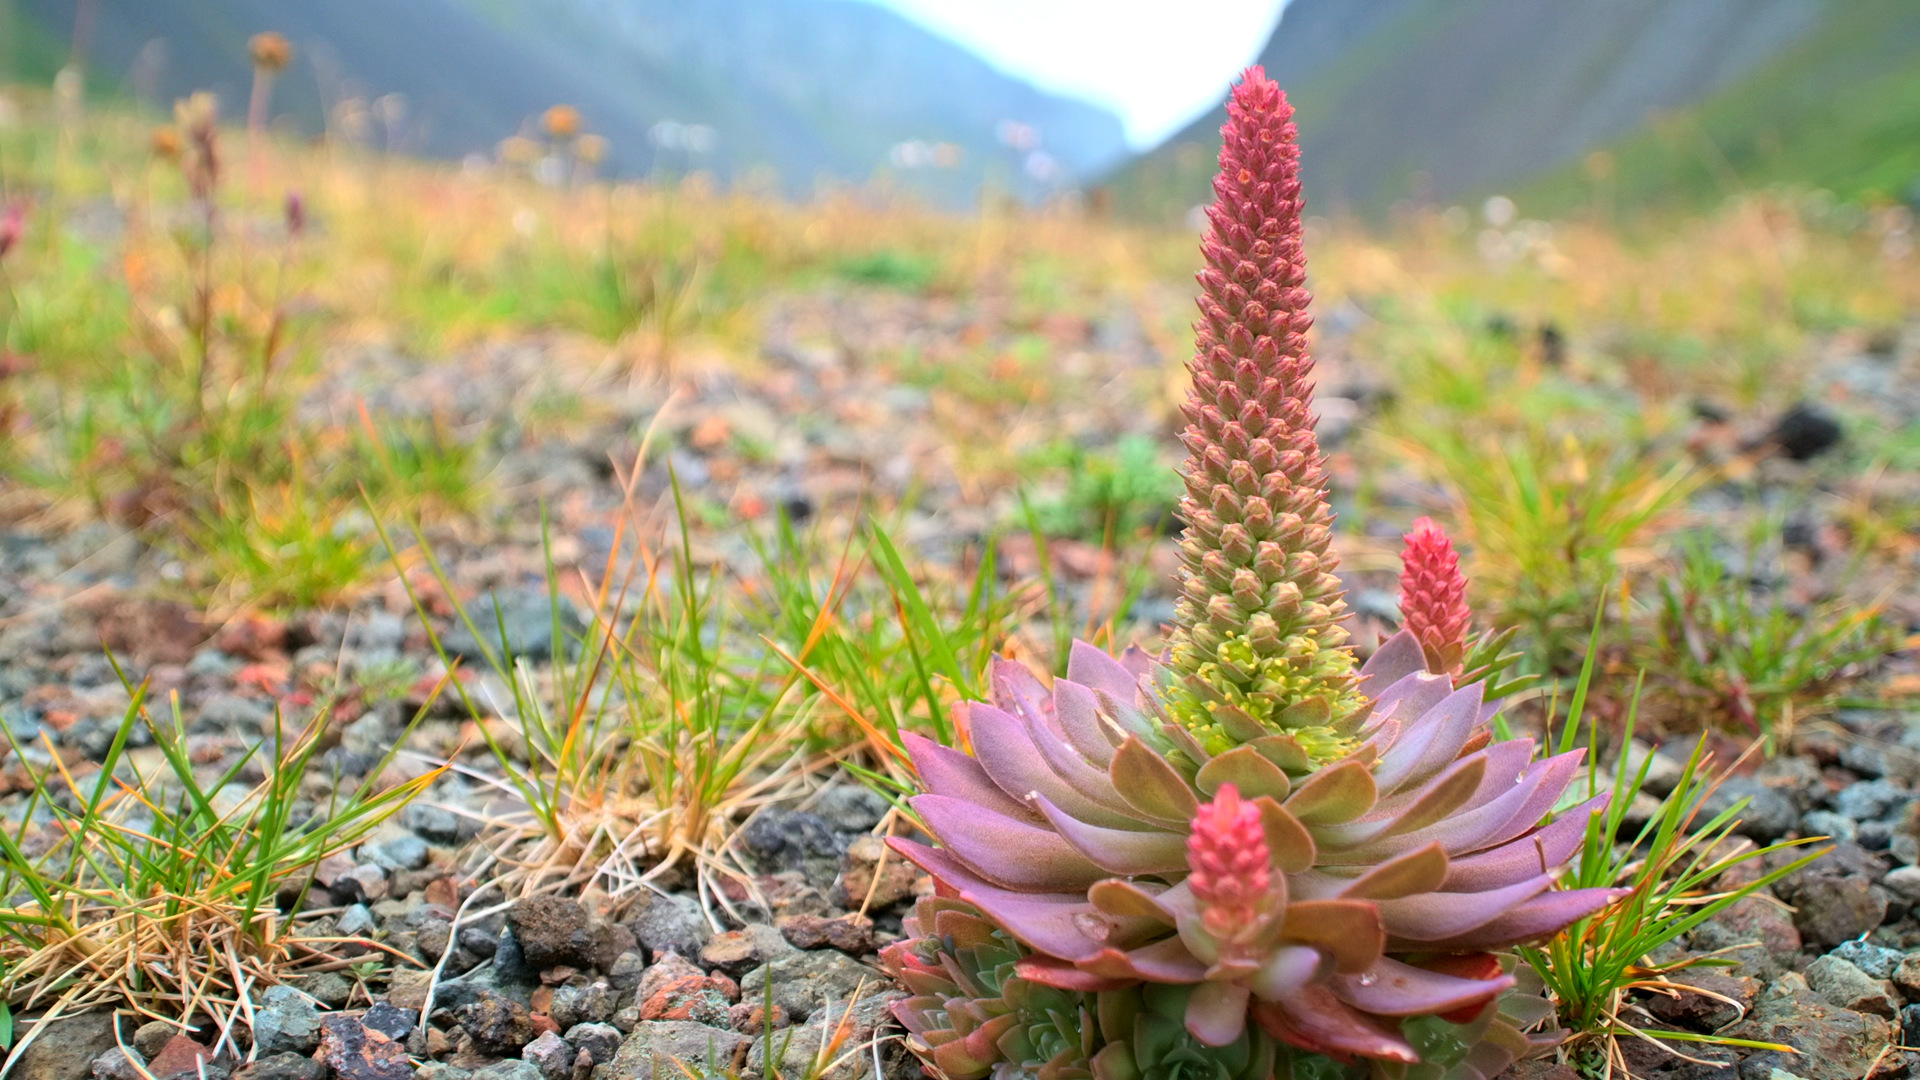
(697, 998)
(180, 1057)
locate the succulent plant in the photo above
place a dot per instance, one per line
(1324, 911)
(1257, 637)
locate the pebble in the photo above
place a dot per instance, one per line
(355, 1052)
(551, 1055)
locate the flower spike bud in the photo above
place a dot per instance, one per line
(1433, 597)
(1256, 504)
(1227, 852)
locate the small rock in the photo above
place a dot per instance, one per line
(229, 714)
(497, 1025)
(754, 1018)
(699, 998)
(599, 1041)
(527, 617)
(357, 921)
(1845, 985)
(653, 1048)
(1768, 815)
(671, 923)
(669, 967)
(390, 1020)
(286, 1021)
(1872, 800)
(398, 848)
(626, 970)
(507, 1070)
(330, 989)
(551, 1055)
(1829, 824)
(1837, 897)
(1834, 1043)
(181, 1056)
(128, 1064)
(435, 823)
(851, 809)
(1877, 961)
(553, 931)
(587, 1004)
(1757, 932)
(1701, 1012)
(850, 933)
(737, 952)
(151, 1037)
(287, 1066)
(355, 1052)
(866, 856)
(804, 982)
(1906, 975)
(780, 840)
(1803, 433)
(1663, 773)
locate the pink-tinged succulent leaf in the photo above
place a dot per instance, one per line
(1288, 842)
(1418, 871)
(1119, 851)
(1316, 1021)
(1061, 975)
(1005, 850)
(974, 1054)
(954, 774)
(1397, 657)
(1287, 969)
(1446, 794)
(1245, 769)
(1164, 961)
(1443, 916)
(1077, 710)
(1525, 855)
(1409, 698)
(1391, 988)
(1052, 923)
(1150, 785)
(1468, 830)
(1217, 1013)
(1128, 899)
(1094, 669)
(1005, 749)
(1339, 793)
(1349, 931)
(1067, 762)
(1561, 770)
(1546, 914)
(1438, 739)
(1284, 751)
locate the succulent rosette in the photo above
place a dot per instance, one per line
(1325, 911)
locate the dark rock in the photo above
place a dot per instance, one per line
(671, 923)
(850, 933)
(851, 809)
(1804, 432)
(1768, 816)
(151, 1037)
(660, 1049)
(286, 1066)
(1758, 935)
(599, 1041)
(781, 840)
(286, 1021)
(66, 1049)
(1837, 897)
(1845, 985)
(510, 961)
(1700, 1012)
(1834, 1043)
(527, 617)
(130, 1064)
(1872, 800)
(330, 989)
(591, 1003)
(626, 970)
(554, 932)
(390, 1020)
(497, 1025)
(1877, 961)
(356, 1052)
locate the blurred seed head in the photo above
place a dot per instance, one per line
(198, 118)
(270, 51)
(296, 214)
(165, 142)
(519, 150)
(561, 121)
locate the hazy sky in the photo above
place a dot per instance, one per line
(1158, 63)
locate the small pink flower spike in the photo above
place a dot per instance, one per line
(1227, 851)
(13, 222)
(1433, 597)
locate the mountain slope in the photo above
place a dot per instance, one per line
(808, 88)
(1438, 99)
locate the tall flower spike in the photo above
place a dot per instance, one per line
(1257, 637)
(1433, 597)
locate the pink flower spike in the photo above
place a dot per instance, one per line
(1433, 597)
(1232, 868)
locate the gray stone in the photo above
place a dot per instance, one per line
(396, 848)
(440, 1070)
(1837, 897)
(626, 970)
(1834, 1043)
(225, 714)
(153, 1036)
(551, 1055)
(118, 1064)
(390, 1020)
(600, 1041)
(795, 1050)
(436, 823)
(592, 1003)
(1663, 773)
(1832, 825)
(1845, 985)
(851, 808)
(779, 840)
(653, 1047)
(672, 923)
(357, 921)
(285, 1022)
(282, 1067)
(66, 1048)
(329, 988)
(508, 1070)
(1877, 961)
(805, 982)
(1768, 815)
(1872, 800)
(527, 616)
(1704, 1012)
